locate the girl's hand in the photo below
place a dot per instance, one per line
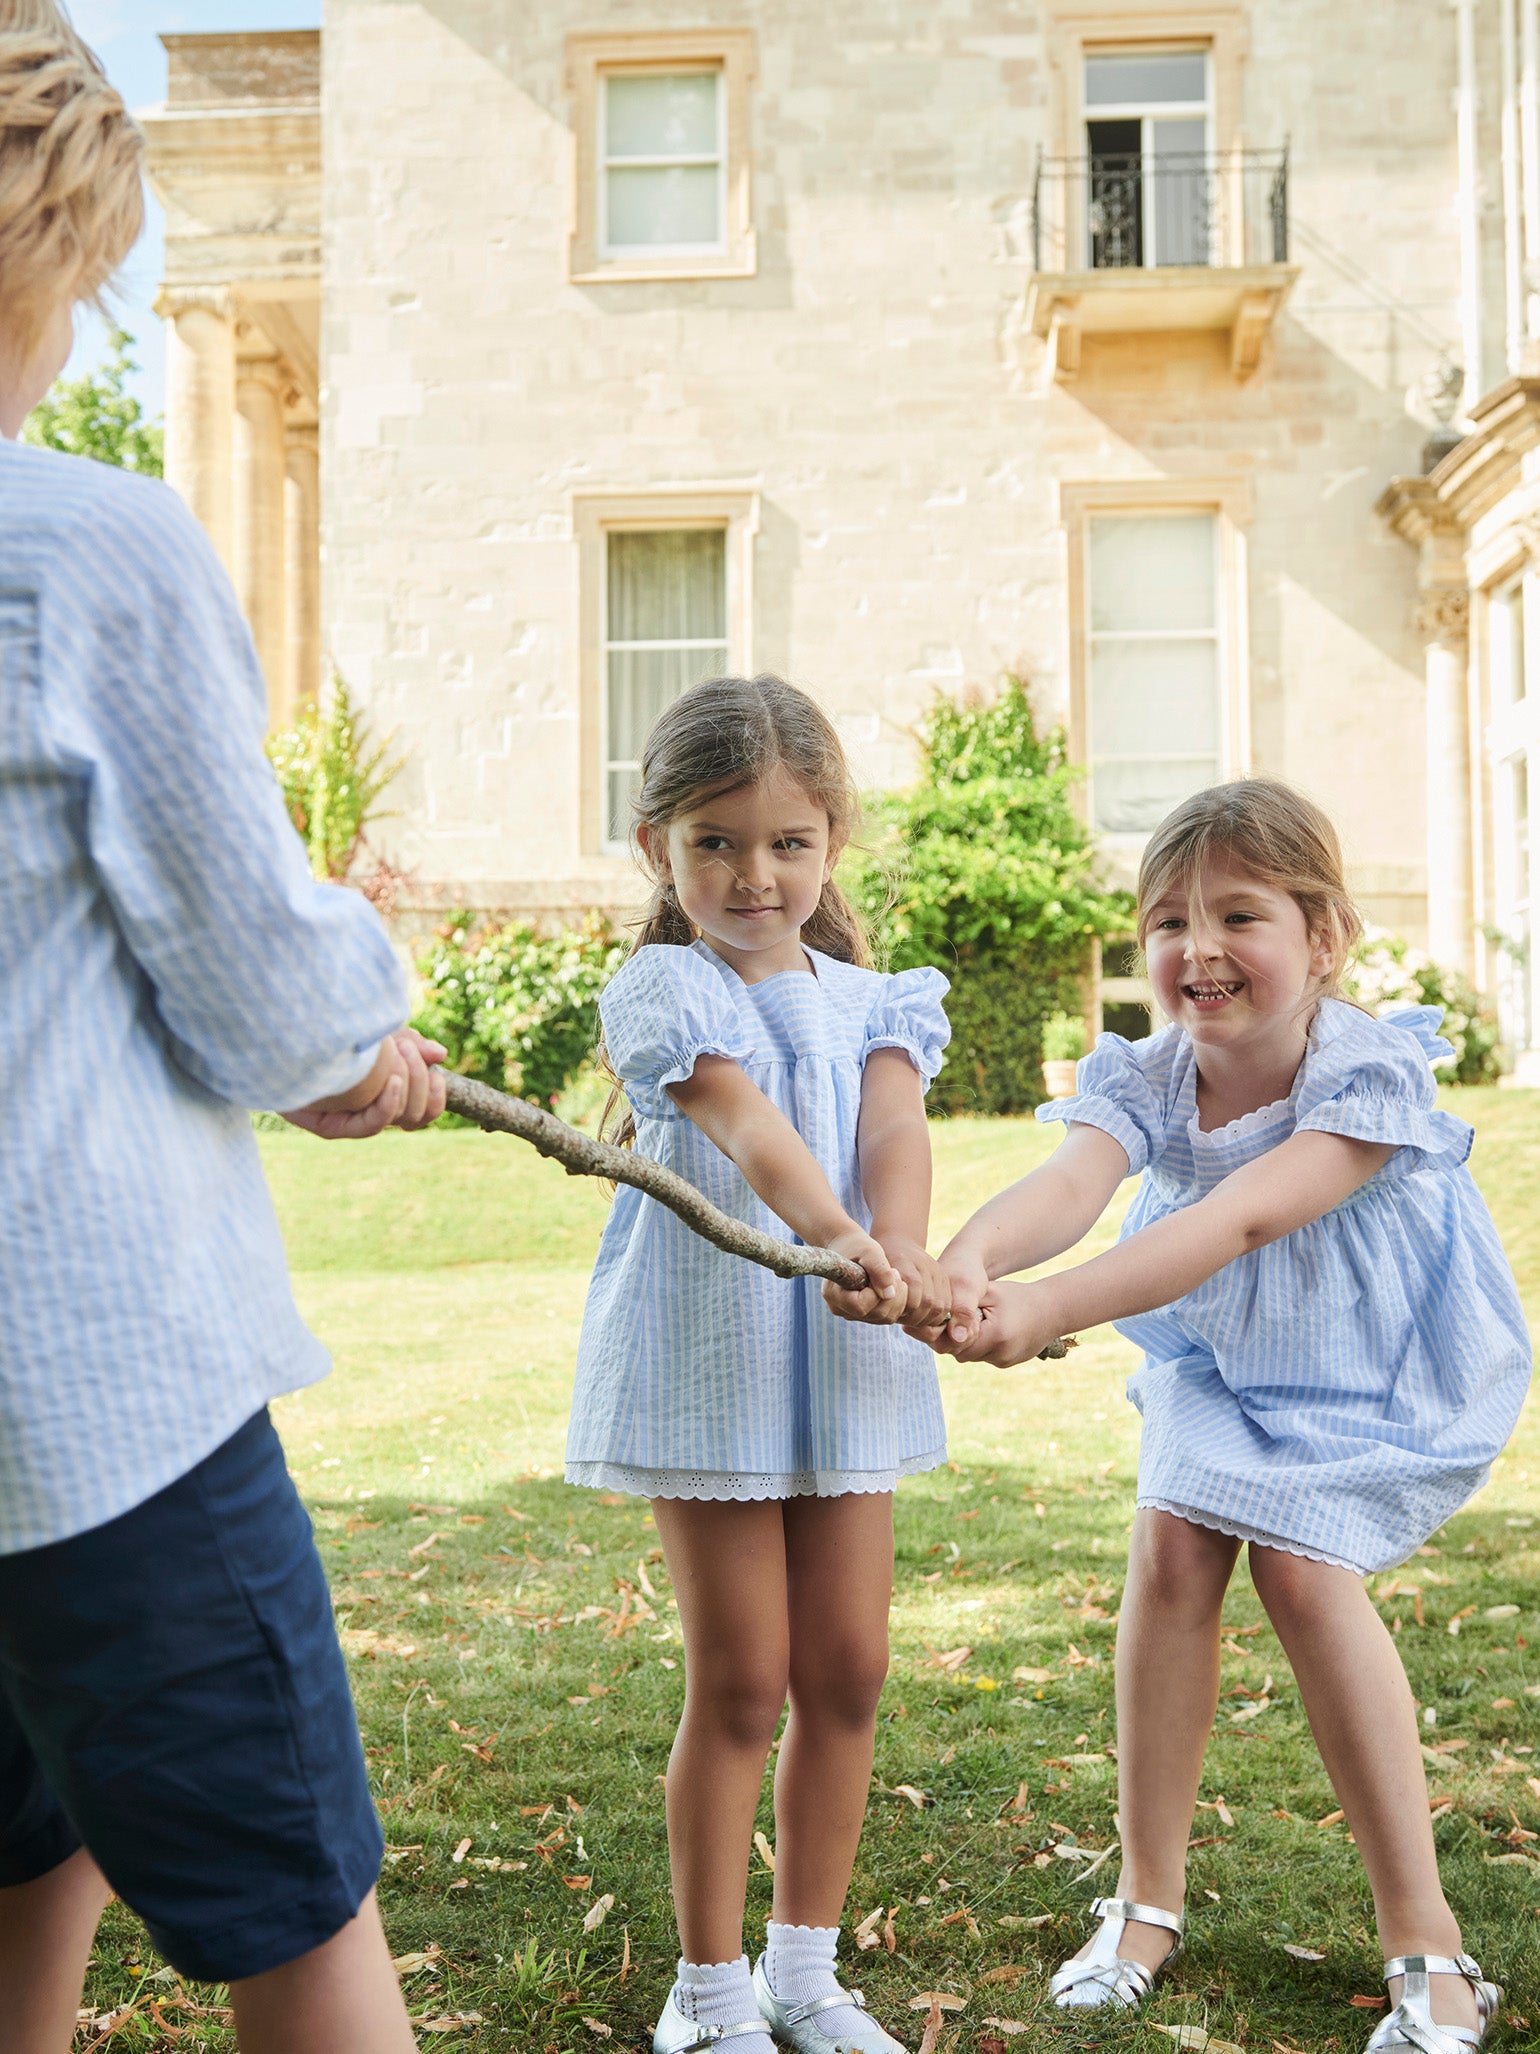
(969, 1283)
(928, 1290)
(1017, 1321)
(883, 1301)
(404, 1089)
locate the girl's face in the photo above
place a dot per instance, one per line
(748, 867)
(1232, 962)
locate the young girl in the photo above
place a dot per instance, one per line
(764, 1061)
(1334, 1353)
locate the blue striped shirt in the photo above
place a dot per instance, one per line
(168, 962)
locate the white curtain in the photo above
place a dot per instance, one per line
(665, 630)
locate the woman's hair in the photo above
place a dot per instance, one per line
(718, 737)
(1271, 831)
(71, 199)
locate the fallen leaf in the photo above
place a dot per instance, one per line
(938, 2000)
(1303, 1953)
(932, 2030)
(577, 1882)
(1501, 1612)
(766, 1852)
(600, 2030)
(1026, 1675)
(1331, 1819)
(1014, 1923)
(462, 1850)
(451, 2022)
(423, 1546)
(1197, 2040)
(1008, 2026)
(598, 1912)
(625, 1954)
(889, 1937)
(1361, 2003)
(1010, 1972)
(918, 1798)
(866, 1934)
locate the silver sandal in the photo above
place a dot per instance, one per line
(796, 2025)
(1411, 2024)
(677, 2034)
(1098, 1977)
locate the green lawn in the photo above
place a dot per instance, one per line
(516, 1660)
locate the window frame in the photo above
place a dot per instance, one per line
(1229, 502)
(1145, 112)
(732, 508)
(625, 253)
(1512, 739)
(1078, 29)
(594, 59)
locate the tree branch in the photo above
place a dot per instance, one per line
(582, 1156)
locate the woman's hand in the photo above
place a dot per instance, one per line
(1016, 1323)
(882, 1302)
(969, 1284)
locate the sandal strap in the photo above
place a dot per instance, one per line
(801, 2014)
(1433, 1965)
(1130, 1981)
(1146, 1914)
(708, 2035)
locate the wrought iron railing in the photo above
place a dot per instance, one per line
(1112, 211)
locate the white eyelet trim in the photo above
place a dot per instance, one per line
(743, 1486)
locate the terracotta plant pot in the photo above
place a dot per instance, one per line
(1060, 1079)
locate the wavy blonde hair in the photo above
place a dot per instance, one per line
(71, 194)
(1267, 828)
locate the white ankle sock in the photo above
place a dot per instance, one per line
(799, 1967)
(721, 1993)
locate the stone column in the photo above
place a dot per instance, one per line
(200, 409)
(259, 511)
(1443, 621)
(302, 566)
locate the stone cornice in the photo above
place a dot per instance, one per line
(1412, 508)
(1443, 616)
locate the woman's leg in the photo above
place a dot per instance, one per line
(728, 1564)
(46, 1930)
(839, 1585)
(1360, 1708)
(1168, 1688)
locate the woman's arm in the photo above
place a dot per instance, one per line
(893, 1148)
(1299, 1181)
(778, 1165)
(1033, 1220)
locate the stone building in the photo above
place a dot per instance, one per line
(892, 347)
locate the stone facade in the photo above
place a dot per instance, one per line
(904, 414)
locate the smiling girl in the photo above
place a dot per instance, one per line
(1334, 1354)
(767, 1064)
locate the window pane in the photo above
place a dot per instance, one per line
(1154, 699)
(672, 206)
(661, 116)
(666, 585)
(1133, 798)
(1152, 572)
(1142, 78)
(643, 682)
(1183, 192)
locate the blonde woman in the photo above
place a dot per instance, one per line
(175, 1722)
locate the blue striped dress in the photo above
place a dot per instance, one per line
(701, 1375)
(1341, 1392)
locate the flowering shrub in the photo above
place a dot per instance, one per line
(1387, 972)
(516, 1008)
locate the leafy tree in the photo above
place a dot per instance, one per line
(331, 778)
(97, 416)
(985, 869)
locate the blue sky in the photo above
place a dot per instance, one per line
(125, 34)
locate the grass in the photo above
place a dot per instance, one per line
(517, 1665)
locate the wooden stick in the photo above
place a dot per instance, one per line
(582, 1156)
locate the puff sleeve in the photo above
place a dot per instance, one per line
(1114, 1092)
(908, 1014)
(662, 1009)
(1374, 1082)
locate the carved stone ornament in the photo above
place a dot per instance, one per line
(1527, 529)
(1443, 615)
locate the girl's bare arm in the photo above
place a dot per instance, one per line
(893, 1147)
(780, 1168)
(1299, 1181)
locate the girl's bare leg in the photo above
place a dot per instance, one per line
(1168, 1689)
(839, 1574)
(728, 1564)
(46, 1930)
(1360, 1708)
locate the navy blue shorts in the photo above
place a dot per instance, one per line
(173, 1697)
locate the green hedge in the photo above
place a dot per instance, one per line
(985, 869)
(514, 1007)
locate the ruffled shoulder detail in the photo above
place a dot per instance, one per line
(665, 1007)
(1370, 1077)
(907, 1013)
(1126, 1088)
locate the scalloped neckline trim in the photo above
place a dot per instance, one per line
(1259, 1118)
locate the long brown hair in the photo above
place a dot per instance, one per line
(1272, 831)
(719, 736)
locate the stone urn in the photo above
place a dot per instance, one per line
(1059, 1078)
